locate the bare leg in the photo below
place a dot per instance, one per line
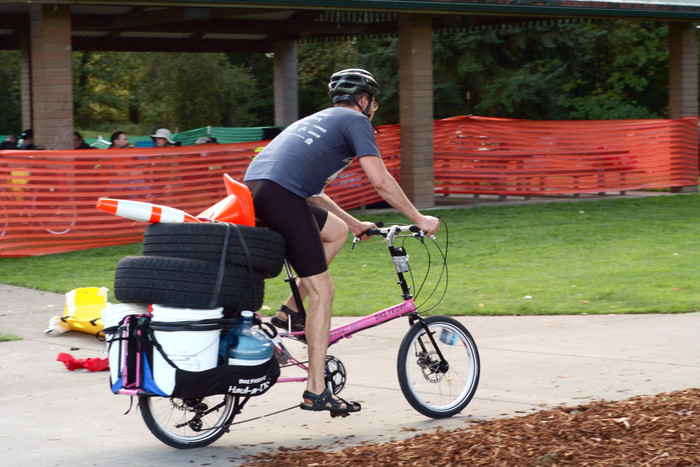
(333, 235)
(320, 291)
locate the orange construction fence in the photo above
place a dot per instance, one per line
(48, 197)
(517, 157)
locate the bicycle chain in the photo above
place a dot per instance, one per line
(266, 415)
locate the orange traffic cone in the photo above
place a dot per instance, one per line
(236, 208)
(144, 212)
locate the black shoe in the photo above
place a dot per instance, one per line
(298, 320)
(325, 401)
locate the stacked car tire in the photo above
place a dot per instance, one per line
(205, 265)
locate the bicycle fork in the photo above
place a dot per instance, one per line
(443, 366)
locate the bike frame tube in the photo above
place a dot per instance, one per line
(347, 330)
(366, 322)
(372, 320)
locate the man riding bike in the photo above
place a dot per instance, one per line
(287, 180)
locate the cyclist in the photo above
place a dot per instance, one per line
(287, 179)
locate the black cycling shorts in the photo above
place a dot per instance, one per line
(300, 222)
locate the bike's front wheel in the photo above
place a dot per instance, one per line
(439, 368)
(187, 423)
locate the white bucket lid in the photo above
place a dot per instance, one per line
(174, 314)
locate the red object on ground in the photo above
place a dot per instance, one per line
(90, 364)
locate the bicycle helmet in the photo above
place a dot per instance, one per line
(351, 81)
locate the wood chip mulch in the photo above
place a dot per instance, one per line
(659, 430)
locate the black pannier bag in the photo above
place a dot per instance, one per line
(223, 379)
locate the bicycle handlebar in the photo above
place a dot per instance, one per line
(384, 231)
(390, 231)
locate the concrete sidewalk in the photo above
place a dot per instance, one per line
(51, 416)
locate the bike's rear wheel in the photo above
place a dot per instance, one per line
(435, 387)
(187, 423)
(62, 217)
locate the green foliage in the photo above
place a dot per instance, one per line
(9, 93)
(107, 89)
(628, 72)
(602, 69)
(607, 256)
(591, 70)
(317, 62)
(9, 337)
(261, 67)
(152, 90)
(196, 90)
(381, 57)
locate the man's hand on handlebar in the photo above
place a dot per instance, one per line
(429, 224)
(362, 228)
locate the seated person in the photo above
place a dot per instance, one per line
(79, 142)
(27, 139)
(163, 138)
(119, 140)
(9, 143)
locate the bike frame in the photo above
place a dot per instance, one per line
(347, 330)
(407, 307)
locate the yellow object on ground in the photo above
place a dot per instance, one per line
(83, 310)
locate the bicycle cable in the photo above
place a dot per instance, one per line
(443, 274)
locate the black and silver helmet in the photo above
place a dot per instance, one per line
(351, 81)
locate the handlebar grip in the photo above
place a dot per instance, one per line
(370, 232)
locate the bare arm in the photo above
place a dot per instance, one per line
(389, 189)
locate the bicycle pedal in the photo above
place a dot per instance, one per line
(339, 414)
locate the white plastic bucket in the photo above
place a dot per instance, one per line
(112, 316)
(189, 350)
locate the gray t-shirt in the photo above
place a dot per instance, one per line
(309, 154)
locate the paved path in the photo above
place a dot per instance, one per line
(51, 416)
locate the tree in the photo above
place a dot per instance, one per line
(106, 88)
(194, 90)
(154, 90)
(10, 117)
(554, 70)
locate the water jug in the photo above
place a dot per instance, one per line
(248, 346)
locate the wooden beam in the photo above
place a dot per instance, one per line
(134, 44)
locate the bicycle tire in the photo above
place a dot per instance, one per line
(186, 283)
(62, 219)
(204, 241)
(184, 423)
(436, 390)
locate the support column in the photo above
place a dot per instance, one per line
(285, 83)
(683, 77)
(416, 108)
(51, 76)
(25, 81)
(683, 70)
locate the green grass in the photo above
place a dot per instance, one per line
(609, 256)
(9, 337)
